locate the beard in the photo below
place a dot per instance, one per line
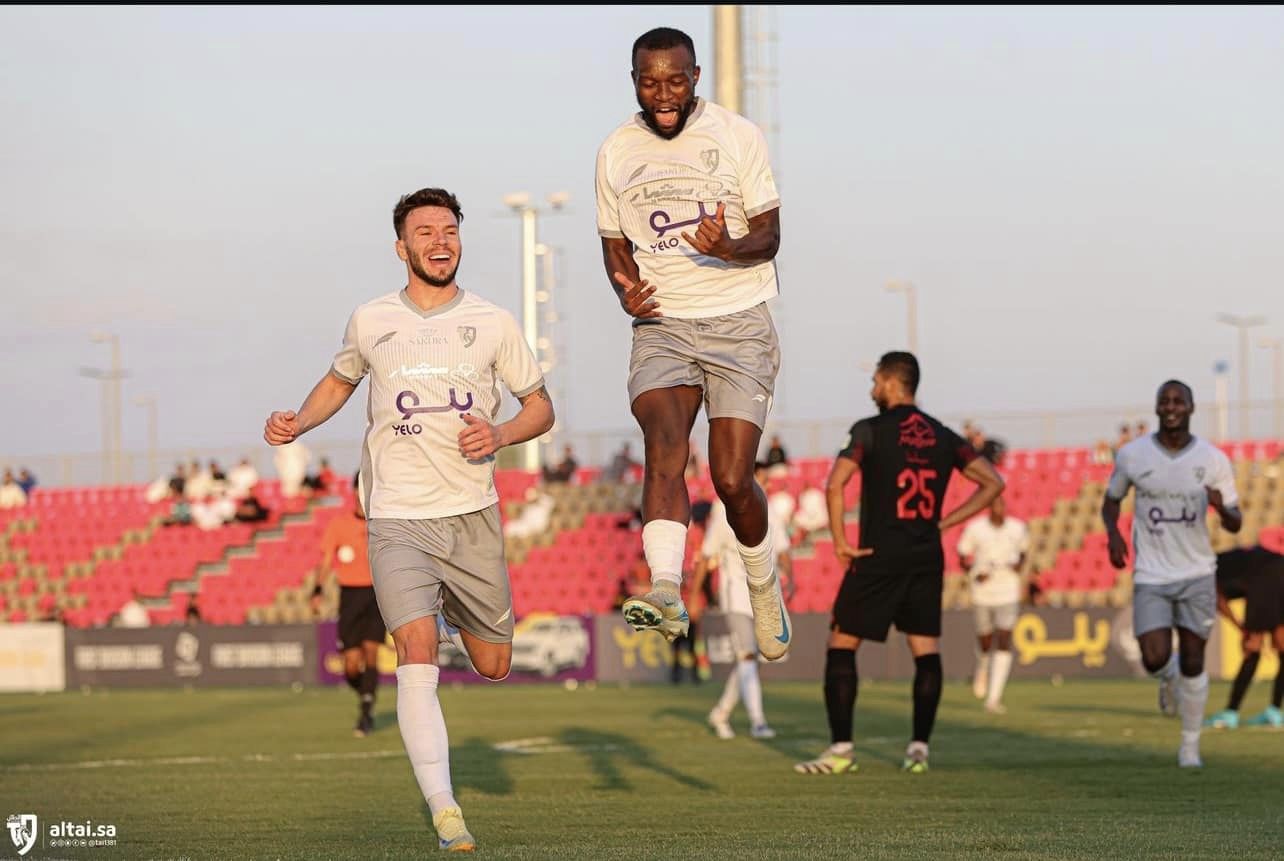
(683, 114)
(418, 268)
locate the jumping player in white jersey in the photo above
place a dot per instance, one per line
(1177, 477)
(689, 218)
(436, 357)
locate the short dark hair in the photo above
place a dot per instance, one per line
(662, 39)
(1190, 393)
(903, 366)
(424, 197)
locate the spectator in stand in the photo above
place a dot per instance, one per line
(1102, 455)
(973, 434)
(565, 470)
(993, 450)
(213, 512)
(1141, 430)
(776, 454)
(322, 481)
(250, 510)
(193, 614)
(620, 466)
(180, 514)
(11, 495)
(812, 513)
(535, 517)
(26, 480)
(291, 461)
(694, 466)
(133, 614)
(178, 481)
(1125, 436)
(200, 482)
(242, 478)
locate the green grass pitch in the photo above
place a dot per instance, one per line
(1081, 770)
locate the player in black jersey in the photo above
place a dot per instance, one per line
(906, 458)
(1256, 575)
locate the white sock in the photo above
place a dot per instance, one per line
(730, 695)
(1169, 670)
(1192, 696)
(423, 731)
(751, 690)
(760, 561)
(981, 678)
(448, 633)
(999, 669)
(664, 542)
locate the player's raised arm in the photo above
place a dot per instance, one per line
(325, 399)
(989, 484)
(759, 245)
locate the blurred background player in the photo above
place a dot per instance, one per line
(345, 556)
(689, 218)
(906, 459)
(1257, 576)
(992, 549)
(718, 552)
(428, 470)
(1177, 477)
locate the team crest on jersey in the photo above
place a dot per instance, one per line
(710, 159)
(917, 433)
(468, 334)
(1200, 472)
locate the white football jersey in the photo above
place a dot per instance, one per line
(720, 544)
(996, 550)
(1170, 527)
(650, 190)
(426, 369)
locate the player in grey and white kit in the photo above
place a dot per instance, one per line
(689, 217)
(436, 357)
(1177, 477)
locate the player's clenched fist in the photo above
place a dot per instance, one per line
(281, 427)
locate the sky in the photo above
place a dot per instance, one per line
(1076, 193)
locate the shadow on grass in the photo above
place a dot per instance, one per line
(606, 752)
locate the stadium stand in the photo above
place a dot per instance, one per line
(80, 553)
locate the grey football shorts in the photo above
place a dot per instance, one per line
(1189, 604)
(453, 565)
(734, 358)
(1001, 617)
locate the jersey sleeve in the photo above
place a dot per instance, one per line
(349, 365)
(757, 184)
(860, 441)
(514, 362)
(1223, 479)
(1120, 477)
(608, 201)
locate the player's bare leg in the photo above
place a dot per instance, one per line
(733, 447)
(1157, 657)
(666, 417)
(981, 676)
(841, 684)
